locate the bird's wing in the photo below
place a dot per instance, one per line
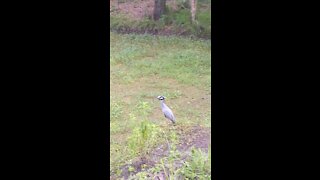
(168, 114)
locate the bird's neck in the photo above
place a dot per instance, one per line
(162, 103)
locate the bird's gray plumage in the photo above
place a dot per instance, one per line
(166, 110)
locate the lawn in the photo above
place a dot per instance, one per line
(143, 67)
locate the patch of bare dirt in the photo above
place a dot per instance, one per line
(136, 9)
(141, 9)
(198, 137)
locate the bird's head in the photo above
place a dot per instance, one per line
(161, 97)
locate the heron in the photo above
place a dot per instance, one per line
(166, 110)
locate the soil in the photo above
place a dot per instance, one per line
(135, 9)
(141, 9)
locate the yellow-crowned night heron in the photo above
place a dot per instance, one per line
(166, 110)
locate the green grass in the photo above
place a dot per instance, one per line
(185, 60)
(143, 67)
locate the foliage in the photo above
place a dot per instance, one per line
(198, 167)
(143, 108)
(143, 138)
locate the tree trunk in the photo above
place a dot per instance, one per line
(175, 6)
(193, 5)
(159, 8)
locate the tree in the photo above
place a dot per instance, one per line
(175, 6)
(193, 5)
(159, 8)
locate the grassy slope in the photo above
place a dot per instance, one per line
(143, 67)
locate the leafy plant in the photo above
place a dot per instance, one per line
(141, 176)
(143, 108)
(131, 169)
(198, 167)
(143, 137)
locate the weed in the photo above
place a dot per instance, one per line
(143, 108)
(141, 176)
(131, 169)
(199, 166)
(143, 138)
(167, 164)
